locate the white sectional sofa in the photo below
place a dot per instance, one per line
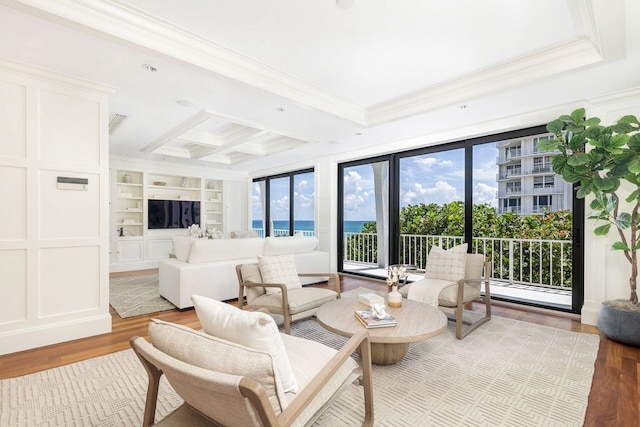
(207, 266)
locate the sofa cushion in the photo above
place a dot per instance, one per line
(209, 352)
(252, 329)
(207, 250)
(182, 247)
(279, 269)
(243, 234)
(446, 265)
(289, 245)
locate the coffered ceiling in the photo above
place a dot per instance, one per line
(250, 84)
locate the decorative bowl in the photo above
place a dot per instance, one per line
(159, 183)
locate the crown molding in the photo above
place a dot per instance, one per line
(127, 23)
(558, 59)
(20, 69)
(121, 21)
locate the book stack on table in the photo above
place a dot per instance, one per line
(369, 321)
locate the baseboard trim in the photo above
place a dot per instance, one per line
(40, 336)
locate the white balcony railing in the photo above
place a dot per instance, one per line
(540, 263)
(283, 232)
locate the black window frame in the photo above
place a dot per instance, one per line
(267, 195)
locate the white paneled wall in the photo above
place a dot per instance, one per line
(53, 241)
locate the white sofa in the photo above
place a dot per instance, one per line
(207, 266)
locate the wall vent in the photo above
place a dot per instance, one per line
(115, 121)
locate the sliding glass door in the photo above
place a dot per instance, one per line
(430, 203)
(497, 193)
(364, 219)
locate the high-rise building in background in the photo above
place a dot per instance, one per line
(526, 181)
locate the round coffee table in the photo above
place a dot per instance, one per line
(416, 322)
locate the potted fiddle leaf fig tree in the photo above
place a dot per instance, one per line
(605, 162)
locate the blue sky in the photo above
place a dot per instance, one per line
(429, 178)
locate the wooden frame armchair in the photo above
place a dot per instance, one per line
(467, 291)
(292, 304)
(213, 397)
(454, 295)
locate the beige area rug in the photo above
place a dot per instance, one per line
(506, 373)
(136, 295)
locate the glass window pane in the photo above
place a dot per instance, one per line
(303, 204)
(257, 208)
(279, 206)
(365, 216)
(431, 204)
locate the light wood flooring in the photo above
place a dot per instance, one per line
(613, 401)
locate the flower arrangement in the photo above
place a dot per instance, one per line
(395, 274)
(208, 232)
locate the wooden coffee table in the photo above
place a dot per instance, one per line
(416, 322)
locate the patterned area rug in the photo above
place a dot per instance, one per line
(136, 295)
(505, 373)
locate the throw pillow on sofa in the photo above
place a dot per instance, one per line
(252, 329)
(279, 269)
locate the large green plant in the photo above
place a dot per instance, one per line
(599, 158)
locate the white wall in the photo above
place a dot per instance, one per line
(53, 241)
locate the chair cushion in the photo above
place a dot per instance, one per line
(212, 353)
(252, 329)
(308, 359)
(300, 300)
(446, 265)
(279, 269)
(448, 297)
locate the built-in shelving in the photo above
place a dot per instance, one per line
(133, 244)
(129, 208)
(213, 204)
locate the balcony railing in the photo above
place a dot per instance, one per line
(283, 232)
(539, 263)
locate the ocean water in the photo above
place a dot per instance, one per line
(349, 226)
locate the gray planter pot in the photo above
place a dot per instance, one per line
(620, 325)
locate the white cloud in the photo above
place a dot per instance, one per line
(441, 192)
(483, 193)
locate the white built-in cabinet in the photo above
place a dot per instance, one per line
(133, 245)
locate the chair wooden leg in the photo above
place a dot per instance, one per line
(287, 325)
(154, 375)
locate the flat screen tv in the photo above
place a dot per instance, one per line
(173, 213)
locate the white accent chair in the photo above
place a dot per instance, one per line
(452, 295)
(292, 304)
(224, 383)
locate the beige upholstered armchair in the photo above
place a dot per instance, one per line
(279, 297)
(224, 383)
(453, 279)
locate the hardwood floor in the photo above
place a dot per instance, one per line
(613, 401)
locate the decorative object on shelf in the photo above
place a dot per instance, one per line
(210, 185)
(184, 182)
(160, 183)
(126, 178)
(605, 161)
